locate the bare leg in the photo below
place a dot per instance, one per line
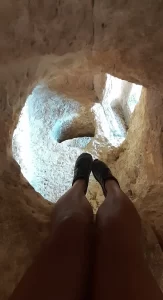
(121, 271)
(61, 270)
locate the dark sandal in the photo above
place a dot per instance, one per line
(102, 173)
(83, 168)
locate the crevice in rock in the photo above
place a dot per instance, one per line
(159, 237)
(93, 23)
(118, 99)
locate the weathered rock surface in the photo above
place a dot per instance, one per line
(65, 44)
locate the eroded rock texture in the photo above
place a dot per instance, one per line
(65, 44)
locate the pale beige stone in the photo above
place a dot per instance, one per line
(66, 45)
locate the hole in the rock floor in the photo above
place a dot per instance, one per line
(54, 129)
(64, 129)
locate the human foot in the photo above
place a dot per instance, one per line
(102, 174)
(83, 167)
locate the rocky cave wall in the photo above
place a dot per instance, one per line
(65, 44)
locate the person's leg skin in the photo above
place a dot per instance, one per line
(120, 270)
(61, 270)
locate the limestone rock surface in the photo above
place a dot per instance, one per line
(64, 44)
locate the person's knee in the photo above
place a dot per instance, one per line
(72, 222)
(79, 214)
(118, 215)
(71, 232)
(75, 219)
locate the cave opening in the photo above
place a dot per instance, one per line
(54, 129)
